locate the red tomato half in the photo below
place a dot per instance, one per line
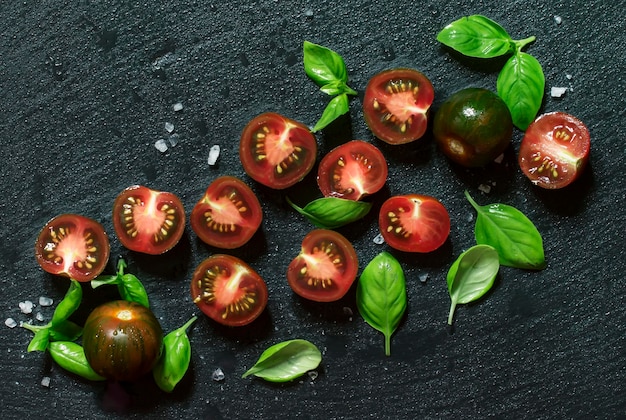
(396, 104)
(325, 268)
(73, 246)
(414, 223)
(148, 221)
(228, 291)
(228, 214)
(554, 150)
(277, 151)
(352, 171)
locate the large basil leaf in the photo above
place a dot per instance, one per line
(333, 212)
(323, 65)
(381, 295)
(285, 361)
(476, 36)
(471, 276)
(174, 361)
(511, 233)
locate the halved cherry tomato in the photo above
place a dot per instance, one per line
(414, 223)
(228, 291)
(396, 104)
(73, 246)
(228, 214)
(148, 221)
(277, 151)
(325, 268)
(352, 171)
(554, 150)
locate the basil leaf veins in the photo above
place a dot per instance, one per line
(476, 36)
(333, 212)
(285, 361)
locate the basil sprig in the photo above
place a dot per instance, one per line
(511, 233)
(285, 361)
(521, 81)
(381, 295)
(332, 212)
(328, 70)
(129, 286)
(471, 276)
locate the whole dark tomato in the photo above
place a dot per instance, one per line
(148, 221)
(352, 171)
(122, 340)
(277, 151)
(228, 291)
(325, 268)
(414, 223)
(228, 214)
(396, 104)
(554, 150)
(73, 246)
(473, 127)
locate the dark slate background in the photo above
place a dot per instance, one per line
(87, 87)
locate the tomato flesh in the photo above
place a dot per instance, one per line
(554, 150)
(228, 214)
(73, 246)
(325, 268)
(396, 104)
(148, 221)
(228, 290)
(277, 151)
(414, 223)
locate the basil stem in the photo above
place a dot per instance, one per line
(71, 357)
(381, 295)
(129, 286)
(69, 304)
(285, 361)
(332, 212)
(471, 276)
(174, 360)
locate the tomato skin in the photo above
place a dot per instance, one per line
(148, 221)
(122, 340)
(277, 151)
(74, 246)
(414, 223)
(228, 214)
(325, 268)
(554, 150)
(352, 171)
(396, 104)
(228, 290)
(473, 127)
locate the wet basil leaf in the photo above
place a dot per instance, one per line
(71, 357)
(381, 295)
(471, 276)
(476, 36)
(285, 361)
(174, 360)
(68, 305)
(333, 212)
(129, 286)
(511, 233)
(323, 65)
(65, 331)
(337, 106)
(40, 341)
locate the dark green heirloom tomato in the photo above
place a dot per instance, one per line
(473, 127)
(122, 340)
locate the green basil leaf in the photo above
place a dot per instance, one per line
(69, 304)
(323, 65)
(476, 36)
(131, 289)
(285, 361)
(337, 87)
(71, 357)
(337, 106)
(65, 331)
(103, 280)
(40, 341)
(381, 295)
(174, 360)
(521, 85)
(333, 212)
(471, 276)
(511, 233)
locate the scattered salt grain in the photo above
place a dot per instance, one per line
(169, 127)
(218, 375)
(173, 139)
(308, 12)
(178, 107)
(499, 159)
(45, 301)
(10, 322)
(558, 20)
(161, 145)
(26, 307)
(378, 239)
(313, 375)
(569, 76)
(484, 188)
(39, 316)
(214, 153)
(557, 92)
(45, 381)
(423, 277)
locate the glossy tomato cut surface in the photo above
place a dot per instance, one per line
(228, 214)
(277, 151)
(352, 171)
(73, 246)
(396, 104)
(325, 268)
(414, 223)
(148, 221)
(554, 150)
(228, 290)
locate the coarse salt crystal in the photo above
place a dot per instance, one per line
(558, 20)
(161, 145)
(45, 301)
(423, 277)
(378, 239)
(313, 375)
(557, 92)
(39, 316)
(10, 322)
(26, 307)
(214, 153)
(178, 107)
(169, 127)
(484, 188)
(218, 375)
(45, 381)
(173, 139)
(499, 159)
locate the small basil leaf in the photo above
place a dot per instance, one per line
(333, 212)
(337, 106)
(471, 276)
(381, 295)
(65, 331)
(285, 361)
(40, 341)
(68, 305)
(71, 357)
(521, 85)
(323, 65)
(511, 233)
(131, 289)
(174, 360)
(103, 280)
(476, 36)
